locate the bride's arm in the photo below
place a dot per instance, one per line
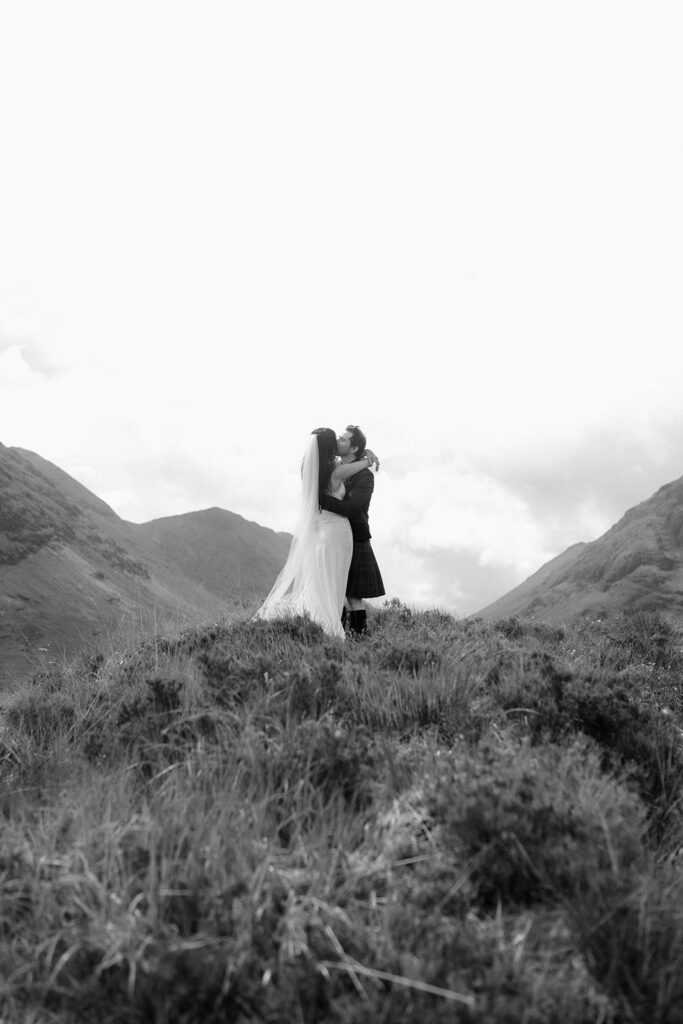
(348, 469)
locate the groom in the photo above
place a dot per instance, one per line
(365, 579)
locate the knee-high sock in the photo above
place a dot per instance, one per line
(358, 622)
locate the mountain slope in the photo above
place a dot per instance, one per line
(72, 571)
(637, 564)
(219, 550)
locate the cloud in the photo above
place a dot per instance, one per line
(578, 488)
(455, 581)
(444, 507)
(450, 536)
(463, 532)
(491, 288)
(20, 361)
(42, 362)
(14, 372)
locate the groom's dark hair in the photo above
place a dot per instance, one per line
(358, 440)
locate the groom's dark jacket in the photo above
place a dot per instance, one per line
(355, 504)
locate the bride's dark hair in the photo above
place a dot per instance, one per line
(327, 458)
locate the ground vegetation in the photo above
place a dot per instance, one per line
(447, 821)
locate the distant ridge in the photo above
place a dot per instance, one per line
(72, 571)
(637, 564)
(219, 550)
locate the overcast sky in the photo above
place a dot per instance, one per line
(458, 224)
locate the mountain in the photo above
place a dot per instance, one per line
(637, 564)
(72, 571)
(219, 551)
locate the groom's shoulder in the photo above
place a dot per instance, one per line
(366, 477)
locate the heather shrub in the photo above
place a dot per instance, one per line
(410, 658)
(644, 637)
(148, 724)
(43, 717)
(438, 704)
(632, 735)
(231, 678)
(430, 924)
(315, 691)
(641, 638)
(632, 940)
(536, 822)
(322, 755)
(291, 636)
(395, 614)
(514, 628)
(51, 679)
(510, 965)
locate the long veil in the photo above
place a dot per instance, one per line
(287, 593)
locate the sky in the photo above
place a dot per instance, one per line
(460, 225)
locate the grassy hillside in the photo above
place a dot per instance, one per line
(637, 565)
(72, 571)
(449, 821)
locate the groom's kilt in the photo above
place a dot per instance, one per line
(365, 579)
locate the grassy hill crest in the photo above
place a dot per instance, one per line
(450, 821)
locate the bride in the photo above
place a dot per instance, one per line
(313, 580)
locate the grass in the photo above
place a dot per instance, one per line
(448, 821)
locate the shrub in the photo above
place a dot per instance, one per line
(411, 658)
(231, 679)
(313, 692)
(536, 822)
(43, 717)
(514, 628)
(633, 944)
(301, 770)
(645, 636)
(633, 736)
(149, 722)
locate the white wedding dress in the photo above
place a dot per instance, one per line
(313, 580)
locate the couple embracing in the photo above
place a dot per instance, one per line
(331, 564)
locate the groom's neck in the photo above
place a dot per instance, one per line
(349, 457)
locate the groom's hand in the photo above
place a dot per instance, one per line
(372, 457)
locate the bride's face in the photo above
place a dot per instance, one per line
(344, 443)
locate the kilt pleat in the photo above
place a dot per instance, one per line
(365, 579)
